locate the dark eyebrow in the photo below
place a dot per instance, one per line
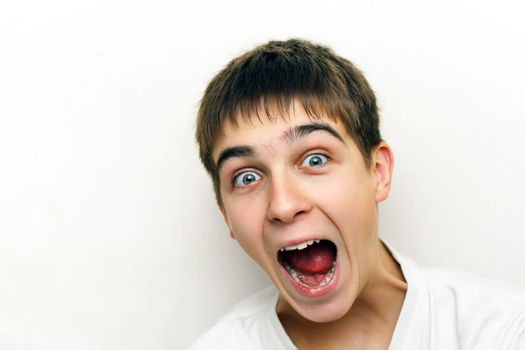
(290, 135)
(230, 152)
(293, 134)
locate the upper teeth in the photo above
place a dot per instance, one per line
(300, 245)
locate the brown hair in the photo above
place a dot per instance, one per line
(276, 73)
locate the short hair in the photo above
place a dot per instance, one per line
(274, 75)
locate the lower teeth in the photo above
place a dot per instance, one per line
(297, 276)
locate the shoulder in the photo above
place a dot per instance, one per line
(483, 311)
(233, 330)
(475, 295)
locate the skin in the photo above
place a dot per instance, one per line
(281, 185)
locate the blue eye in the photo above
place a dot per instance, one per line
(314, 160)
(246, 178)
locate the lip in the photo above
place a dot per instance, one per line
(314, 292)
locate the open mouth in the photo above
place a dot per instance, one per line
(310, 264)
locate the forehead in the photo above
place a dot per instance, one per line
(270, 130)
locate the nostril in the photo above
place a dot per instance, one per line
(300, 212)
(276, 220)
(284, 219)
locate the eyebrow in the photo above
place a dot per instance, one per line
(297, 132)
(231, 152)
(291, 135)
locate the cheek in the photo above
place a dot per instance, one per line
(351, 204)
(246, 220)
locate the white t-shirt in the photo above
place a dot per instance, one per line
(442, 310)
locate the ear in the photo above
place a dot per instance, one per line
(225, 216)
(382, 169)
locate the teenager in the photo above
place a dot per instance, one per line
(289, 133)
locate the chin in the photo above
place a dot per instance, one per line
(328, 311)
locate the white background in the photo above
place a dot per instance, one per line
(109, 234)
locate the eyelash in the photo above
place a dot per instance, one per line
(247, 171)
(320, 155)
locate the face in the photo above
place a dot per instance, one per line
(300, 200)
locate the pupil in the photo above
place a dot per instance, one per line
(314, 161)
(248, 178)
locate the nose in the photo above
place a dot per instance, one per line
(288, 200)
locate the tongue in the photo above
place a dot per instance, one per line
(317, 258)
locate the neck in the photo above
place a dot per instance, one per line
(369, 323)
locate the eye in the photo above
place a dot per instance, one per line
(314, 160)
(246, 178)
